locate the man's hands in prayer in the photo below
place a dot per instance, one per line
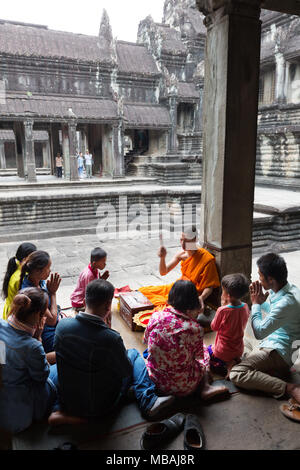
(53, 283)
(256, 293)
(105, 275)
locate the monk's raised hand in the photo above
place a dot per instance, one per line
(162, 252)
(105, 275)
(256, 293)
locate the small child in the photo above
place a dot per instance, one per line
(230, 322)
(89, 274)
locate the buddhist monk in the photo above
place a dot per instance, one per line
(197, 265)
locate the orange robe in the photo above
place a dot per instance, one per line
(200, 269)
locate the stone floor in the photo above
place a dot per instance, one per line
(243, 421)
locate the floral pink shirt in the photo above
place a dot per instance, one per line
(177, 358)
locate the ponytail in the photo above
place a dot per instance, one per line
(27, 302)
(11, 268)
(23, 251)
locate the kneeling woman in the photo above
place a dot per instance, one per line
(35, 271)
(28, 392)
(177, 359)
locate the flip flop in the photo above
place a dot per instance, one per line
(161, 432)
(194, 438)
(291, 410)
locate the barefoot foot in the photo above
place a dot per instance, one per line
(294, 391)
(210, 391)
(58, 418)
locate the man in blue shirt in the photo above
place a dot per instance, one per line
(267, 368)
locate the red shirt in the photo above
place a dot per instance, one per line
(230, 323)
(87, 276)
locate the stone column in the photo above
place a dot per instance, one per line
(29, 151)
(73, 151)
(230, 130)
(172, 141)
(20, 148)
(46, 155)
(66, 150)
(118, 150)
(280, 95)
(54, 145)
(2, 155)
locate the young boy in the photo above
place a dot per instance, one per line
(89, 274)
(230, 323)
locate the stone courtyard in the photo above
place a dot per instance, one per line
(226, 423)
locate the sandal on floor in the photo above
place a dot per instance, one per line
(194, 438)
(159, 433)
(291, 410)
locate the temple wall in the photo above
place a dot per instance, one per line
(278, 155)
(47, 78)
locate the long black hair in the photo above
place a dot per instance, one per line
(23, 251)
(35, 262)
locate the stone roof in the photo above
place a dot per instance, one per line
(39, 107)
(147, 116)
(187, 90)
(30, 41)
(9, 135)
(135, 58)
(171, 40)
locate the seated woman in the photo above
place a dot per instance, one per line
(177, 360)
(11, 282)
(197, 266)
(35, 271)
(27, 393)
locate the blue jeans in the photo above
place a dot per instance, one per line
(53, 376)
(143, 387)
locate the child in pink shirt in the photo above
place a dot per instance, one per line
(89, 274)
(230, 322)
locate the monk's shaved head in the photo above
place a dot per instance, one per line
(190, 233)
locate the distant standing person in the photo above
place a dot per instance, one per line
(88, 164)
(80, 165)
(59, 166)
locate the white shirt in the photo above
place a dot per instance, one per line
(88, 159)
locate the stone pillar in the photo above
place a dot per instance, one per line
(2, 155)
(118, 167)
(46, 155)
(230, 130)
(73, 151)
(66, 150)
(84, 140)
(280, 95)
(172, 141)
(54, 145)
(20, 148)
(29, 151)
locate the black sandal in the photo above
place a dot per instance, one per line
(161, 432)
(194, 438)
